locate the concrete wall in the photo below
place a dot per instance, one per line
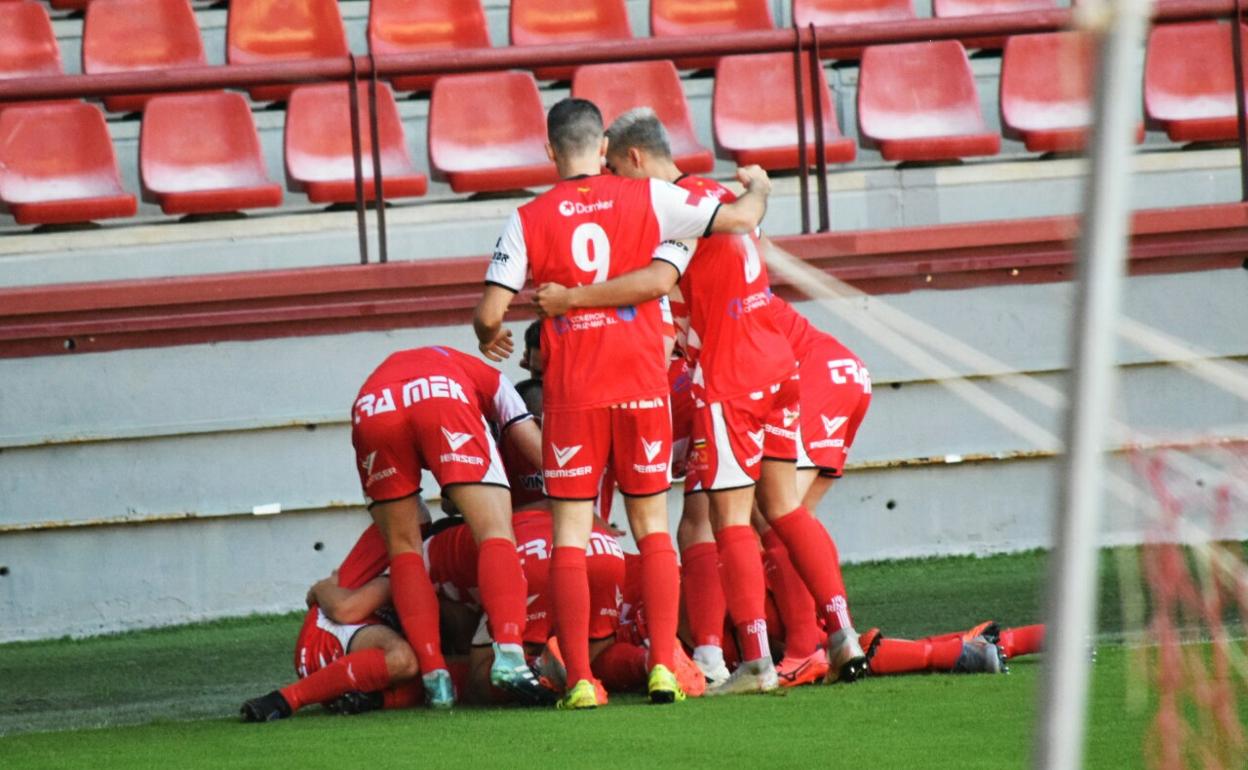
(212, 431)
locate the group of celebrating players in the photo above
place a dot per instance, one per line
(661, 353)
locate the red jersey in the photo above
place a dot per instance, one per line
(441, 372)
(803, 336)
(721, 305)
(588, 230)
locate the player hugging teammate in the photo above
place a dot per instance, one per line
(757, 407)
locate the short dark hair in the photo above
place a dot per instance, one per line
(639, 128)
(573, 126)
(533, 336)
(530, 392)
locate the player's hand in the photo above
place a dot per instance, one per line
(553, 299)
(754, 178)
(499, 348)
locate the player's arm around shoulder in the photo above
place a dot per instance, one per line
(745, 213)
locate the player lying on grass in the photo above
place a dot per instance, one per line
(744, 436)
(427, 409)
(603, 367)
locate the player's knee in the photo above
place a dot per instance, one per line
(401, 662)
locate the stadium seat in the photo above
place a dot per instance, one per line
(57, 165)
(199, 154)
(27, 42)
(617, 88)
(406, 26)
(488, 132)
(1189, 81)
(319, 157)
(546, 22)
(128, 35)
(279, 30)
(1046, 90)
(946, 8)
(676, 18)
(835, 12)
(755, 114)
(917, 101)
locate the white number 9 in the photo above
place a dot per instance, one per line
(753, 265)
(591, 250)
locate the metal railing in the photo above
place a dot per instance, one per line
(802, 42)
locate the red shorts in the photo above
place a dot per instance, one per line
(451, 556)
(322, 641)
(836, 392)
(394, 442)
(731, 438)
(634, 439)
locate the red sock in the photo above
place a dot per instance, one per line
(813, 553)
(569, 584)
(405, 695)
(741, 570)
(364, 670)
(704, 594)
(660, 592)
(621, 667)
(417, 606)
(903, 656)
(503, 589)
(1024, 640)
(367, 559)
(796, 605)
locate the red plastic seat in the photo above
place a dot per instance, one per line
(755, 113)
(405, 26)
(546, 22)
(488, 132)
(945, 8)
(319, 157)
(617, 88)
(917, 101)
(199, 154)
(675, 18)
(1046, 90)
(280, 30)
(57, 165)
(835, 12)
(129, 35)
(27, 42)
(1189, 81)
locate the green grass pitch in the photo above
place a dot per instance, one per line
(168, 698)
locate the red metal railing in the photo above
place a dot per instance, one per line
(811, 39)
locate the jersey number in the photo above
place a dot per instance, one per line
(591, 251)
(753, 265)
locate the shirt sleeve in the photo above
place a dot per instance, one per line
(681, 213)
(510, 262)
(509, 407)
(676, 253)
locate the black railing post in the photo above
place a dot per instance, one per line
(1237, 53)
(816, 106)
(356, 156)
(379, 194)
(803, 172)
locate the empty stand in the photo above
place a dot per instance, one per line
(319, 156)
(27, 42)
(674, 18)
(755, 113)
(407, 26)
(199, 154)
(280, 30)
(918, 102)
(545, 22)
(1189, 81)
(127, 35)
(488, 132)
(617, 88)
(57, 165)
